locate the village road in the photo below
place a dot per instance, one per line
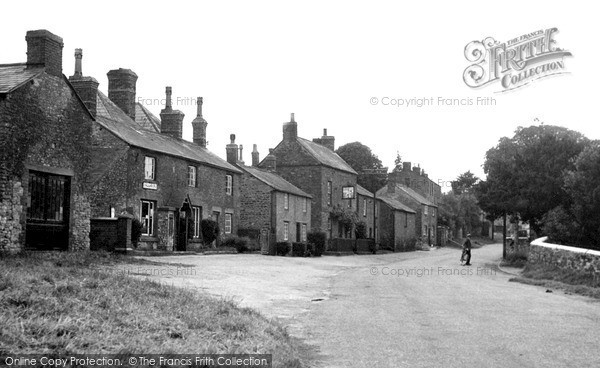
(417, 309)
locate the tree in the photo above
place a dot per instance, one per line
(361, 159)
(464, 183)
(398, 162)
(525, 172)
(583, 187)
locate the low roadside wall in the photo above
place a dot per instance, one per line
(565, 257)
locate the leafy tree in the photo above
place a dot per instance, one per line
(583, 187)
(525, 172)
(362, 159)
(398, 162)
(464, 183)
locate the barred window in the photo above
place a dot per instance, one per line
(191, 176)
(149, 168)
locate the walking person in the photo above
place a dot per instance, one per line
(467, 249)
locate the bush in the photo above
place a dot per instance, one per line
(310, 249)
(282, 248)
(516, 258)
(136, 231)
(210, 230)
(360, 230)
(298, 249)
(373, 247)
(318, 239)
(237, 242)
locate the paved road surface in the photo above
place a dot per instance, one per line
(418, 309)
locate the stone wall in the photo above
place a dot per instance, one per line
(569, 258)
(11, 212)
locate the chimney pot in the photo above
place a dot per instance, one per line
(255, 156)
(86, 87)
(199, 125)
(290, 129)
(232, 150)
(171, 121)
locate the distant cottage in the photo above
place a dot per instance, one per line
(271, 208)
(316, 169)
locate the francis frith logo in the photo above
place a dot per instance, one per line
(514, 63)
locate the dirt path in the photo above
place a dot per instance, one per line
(417, 309)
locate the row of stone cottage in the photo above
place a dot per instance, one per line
(71, 156)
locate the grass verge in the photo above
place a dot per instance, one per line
(63, 303)
(553, 277)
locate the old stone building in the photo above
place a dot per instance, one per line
(415, 178)
(315, 168)
(397, 224)
(270, 207)
(45, 141)
(426, 211)
(168, 183)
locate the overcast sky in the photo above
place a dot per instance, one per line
(255, 62)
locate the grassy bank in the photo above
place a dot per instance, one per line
(63, 303)
(552, 277)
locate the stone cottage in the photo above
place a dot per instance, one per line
(272, 209)
(316, 169)
(45, 152)
(417, 179)
(425, 211)
(397, 224)
(168, 183)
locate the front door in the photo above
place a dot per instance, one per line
(48, 201)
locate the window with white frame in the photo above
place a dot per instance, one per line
(304, 204)
(303, 232)
(197, 215)
(228, 184)
(364, 207)
(191, 176)
(149, 168)
(228, 223)
(329, 192)
(147, 216)
(286, 201)
(286, 230)
(426, 210)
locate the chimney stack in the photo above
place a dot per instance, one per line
(171, 121)
(270, 162)
(406, 166)
(416, 170)
(45, 48)
(86, 87)
(199, 125)
(290, 129)
(255, 156)
(232, 150)
(326, 140)
(121, 90)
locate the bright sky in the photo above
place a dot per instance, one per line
(255, 62)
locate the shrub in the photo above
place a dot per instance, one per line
(136, 231)
(210, 230)
(516, 258)
(560, 227)
(282, 248)
(298, 249)
(310, 250)
(360, 230)
(373, 247)
(318, 239)
(237, 242)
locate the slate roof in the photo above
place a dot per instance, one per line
(275, 181)
(395, 204)
(416, 196)
(325, 156)
(116, 121)
(13, 76)
(362, 191)
(146, 119)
